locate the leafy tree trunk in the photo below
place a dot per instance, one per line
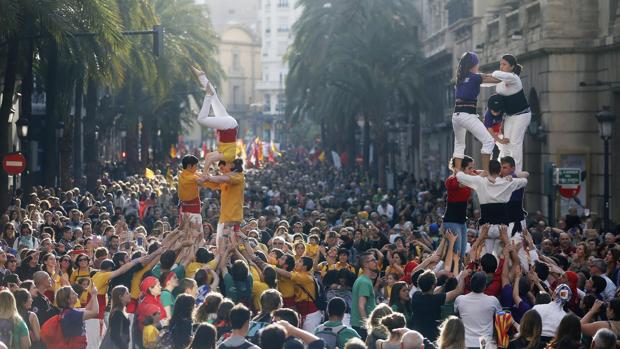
(381, 153)
(8, 91)
(90, 147)
(50, 164)
(351, 146)
(77, 131)
(131, 146)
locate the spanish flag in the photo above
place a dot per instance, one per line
(149, 174)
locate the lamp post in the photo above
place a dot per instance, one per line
(606, 120)
(60, 129)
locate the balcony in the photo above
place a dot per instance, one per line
(459, 9)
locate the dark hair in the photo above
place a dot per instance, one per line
(205, 337)
(167, 259)
(568, 334)
(21, 297)
(307, 262)
(189, 160)
(544, 298)
(478, 282)
(465, 161)
(288, 315)
(531, 328)
(393, 321)
(598, 283)
(494, 167)
(336, 307)
(542, 270)
(270, 276)
(416, 276)
(512, 60)
(223, 310)
(614, 305)
(270, 299)
(237, 165)
(427, 281)
(181, 321)
(395, 293)
(272, 337)
(239, 316)
(239, 271)
(290, 262)
(465, 64)
(201, 277)
(118, 258)
(203, 255)
(106, 265)
(450, 284)
(488, 263)
(508, 160)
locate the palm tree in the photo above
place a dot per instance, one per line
(354, 58)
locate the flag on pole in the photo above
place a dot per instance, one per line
(322, 156)
(149, 174)
(241, 152)
(173, 151)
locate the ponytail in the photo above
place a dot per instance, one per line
(512, 60)
(468, 60)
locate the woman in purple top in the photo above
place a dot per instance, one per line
(465, 118)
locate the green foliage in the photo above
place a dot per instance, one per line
(352, 58)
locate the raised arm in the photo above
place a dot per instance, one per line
(450, 255)
(92, 308)
(450, 296)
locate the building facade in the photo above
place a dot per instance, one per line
(570, 51)
(276, 19)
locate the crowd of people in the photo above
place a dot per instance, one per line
(299, 254)
(329, 261)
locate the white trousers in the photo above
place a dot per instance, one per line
(463, 122)
(493, 244)
(95, 330)
(221, 120)
(194, 218)
(514, 129)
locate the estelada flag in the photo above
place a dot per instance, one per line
(149, 174)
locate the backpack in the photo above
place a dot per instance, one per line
(6, 331)
(329, 335)
(254, 331)
(52, 335)
(164, 341)
(319, 298)
(244, 345)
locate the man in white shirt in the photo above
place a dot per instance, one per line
(493, 193)
(477, 311)
(552, 313)
(386, 210)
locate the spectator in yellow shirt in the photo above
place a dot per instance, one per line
(150, 332)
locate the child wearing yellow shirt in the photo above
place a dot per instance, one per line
(150, 333)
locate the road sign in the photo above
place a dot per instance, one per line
(568, 177)
(14, 163)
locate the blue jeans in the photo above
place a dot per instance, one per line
(460, 229)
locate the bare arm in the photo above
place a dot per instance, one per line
(292, 331)
(450, 296)
(35, 327)
(92, 308)
(361, 306)
(489, 79)
(450, 255)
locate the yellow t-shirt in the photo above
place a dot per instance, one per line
(324, 267)
(306, 281)
(258, 287)
(231, 197)
(389, 270)
(229, 150)
(101, 280)
(136, 279)
(192, 268)
(188, 188)
(345, 266)
(312, 250)
(149, 336)
(286, 287)
(77, 274)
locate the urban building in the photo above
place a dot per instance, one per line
(570, 51)
(276, 19)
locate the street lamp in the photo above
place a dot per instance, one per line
(606, 120)
(22, 128)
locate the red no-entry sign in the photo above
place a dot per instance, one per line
(14, 163)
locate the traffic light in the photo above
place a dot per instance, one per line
(158, 40)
